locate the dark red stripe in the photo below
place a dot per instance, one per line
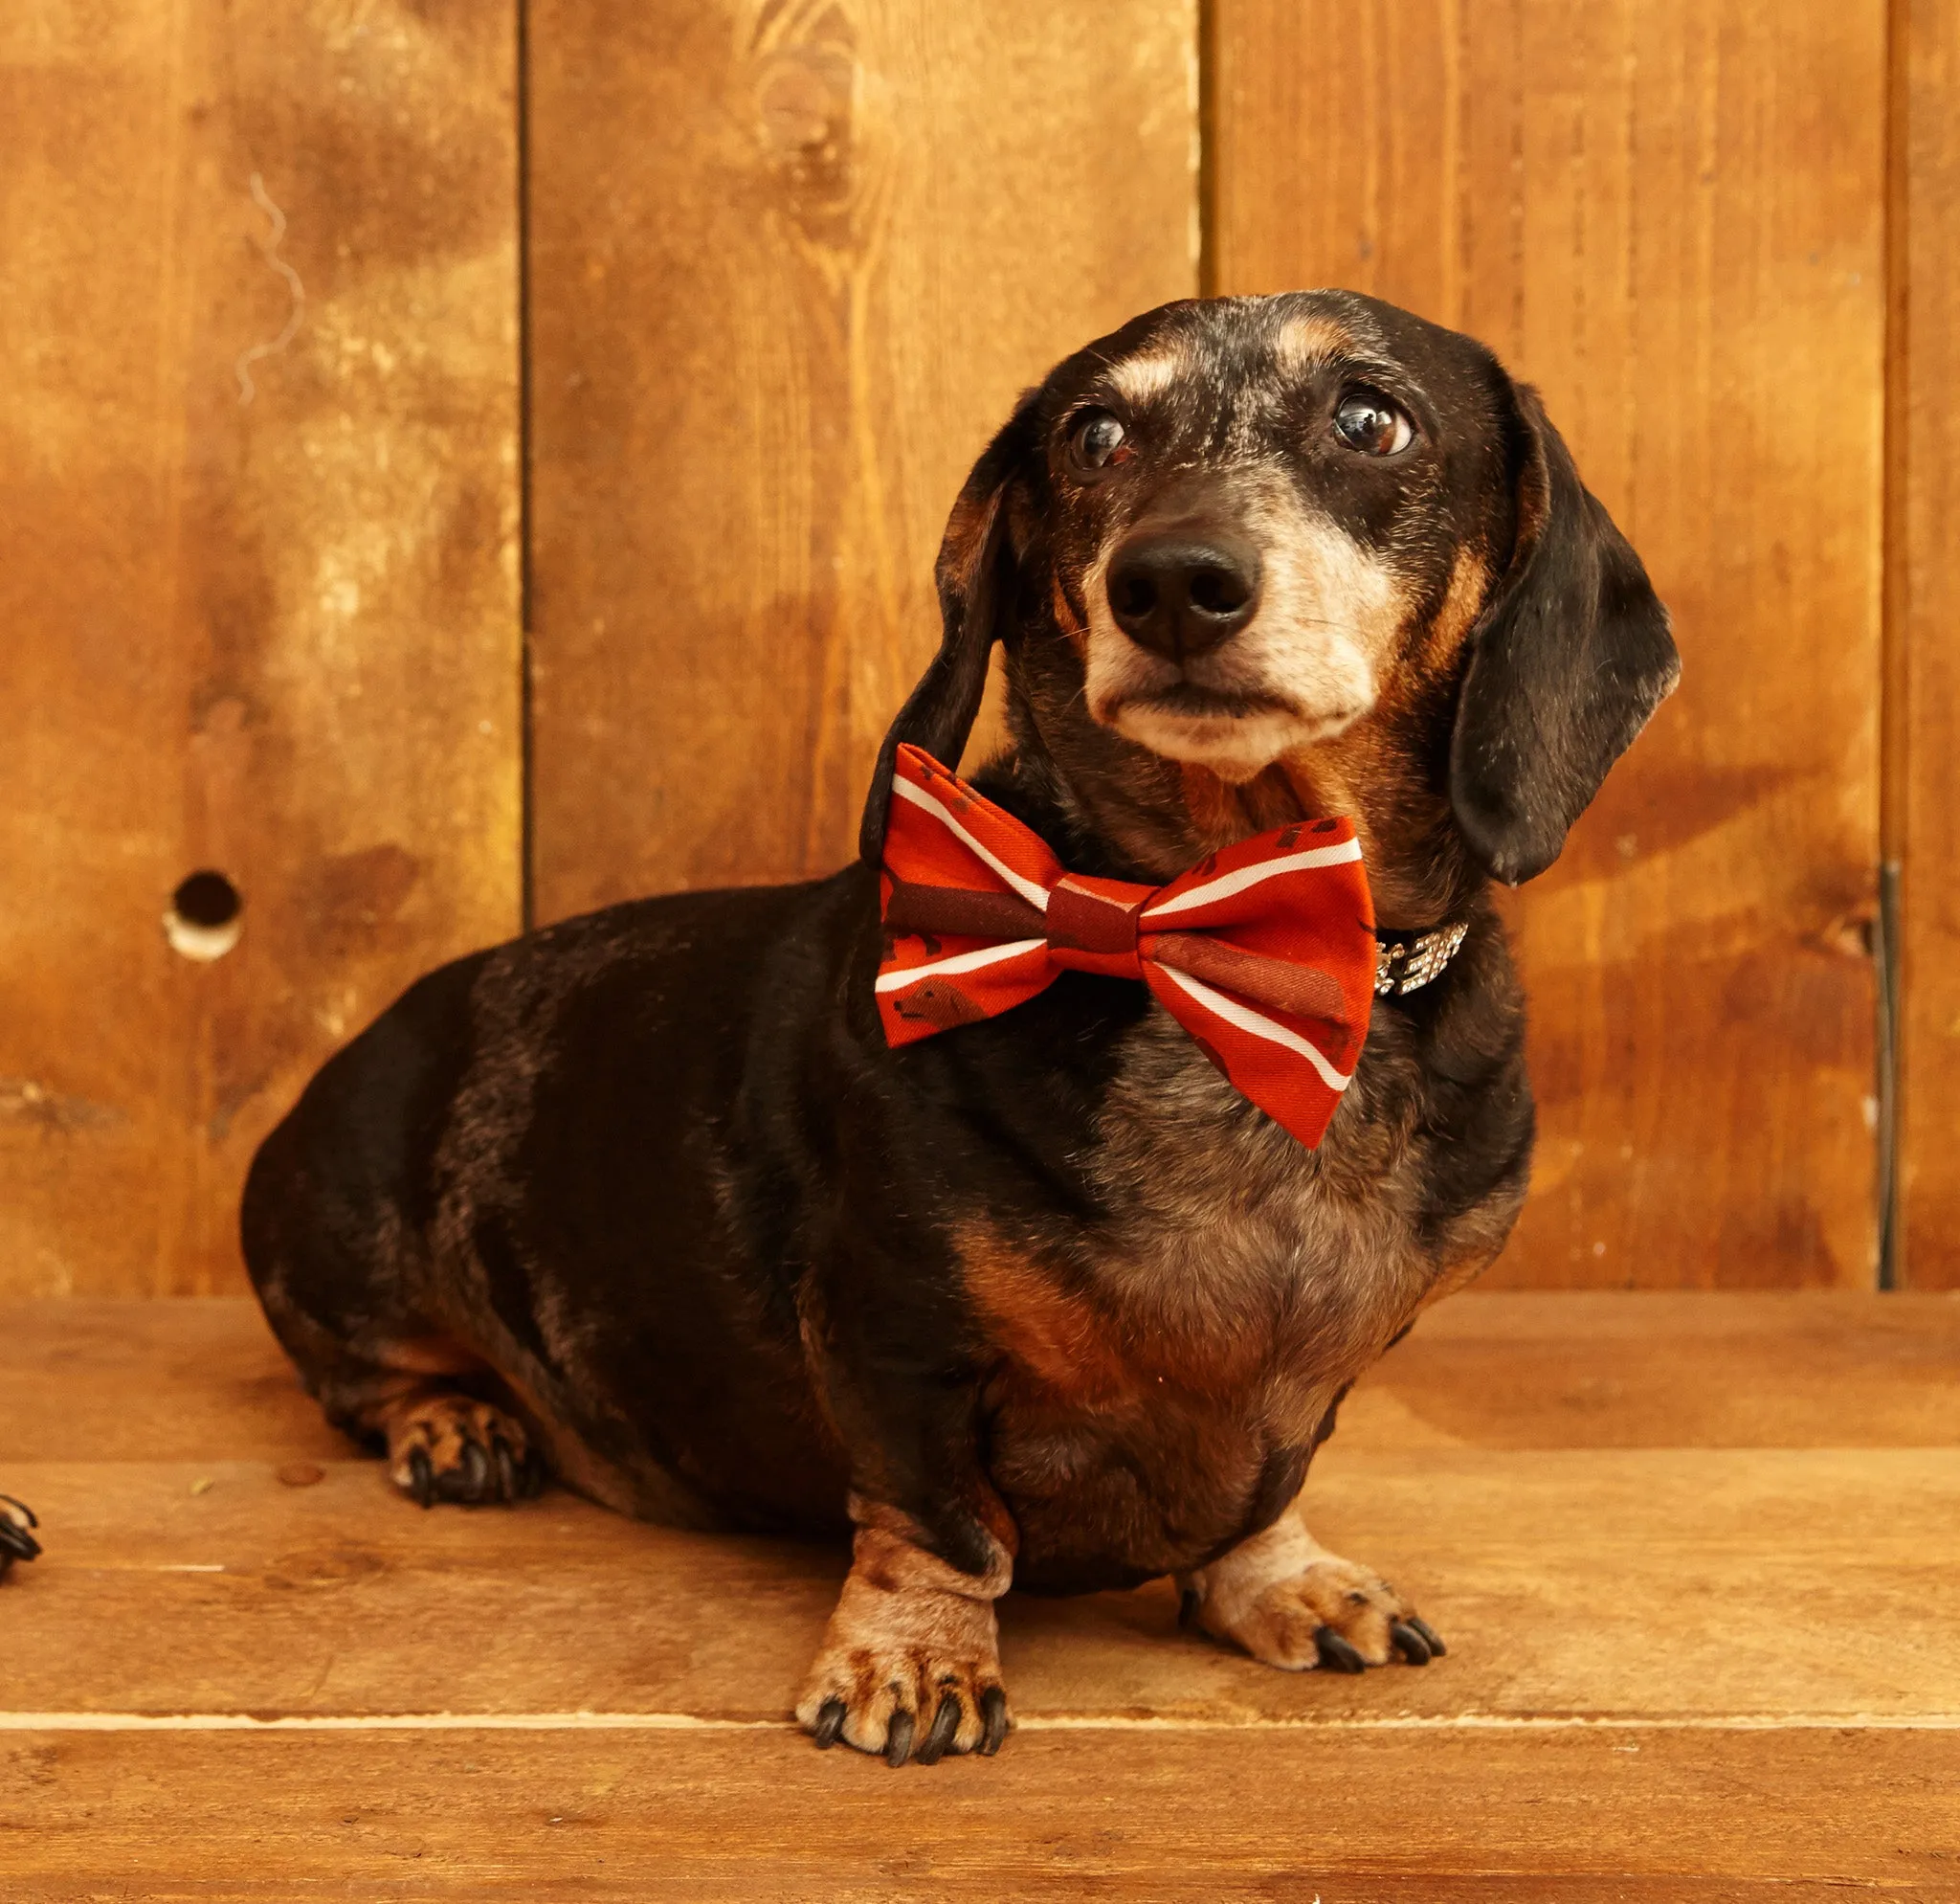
(1005, 916)
(1304, 991)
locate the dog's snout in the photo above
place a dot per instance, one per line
(1179, 594)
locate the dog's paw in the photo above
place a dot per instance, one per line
(1287, 1601)
(910, 1662)
(917, 1697)
(18, 1542)
(1334, 1615)
(453, 1447)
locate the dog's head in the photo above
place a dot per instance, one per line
(1251, 556)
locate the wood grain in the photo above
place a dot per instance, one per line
(791, 265)
(198, 1378)
(1678, 1675)
(1924, 604)
(256, 466)
(1670, 217)
(1802, 1369)
(1653, 1817)
(1581, 1584)
(203, 1379)
(1722, 1461)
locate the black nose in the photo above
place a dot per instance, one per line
(1179, 594)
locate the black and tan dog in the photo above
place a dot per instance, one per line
(646, 1197)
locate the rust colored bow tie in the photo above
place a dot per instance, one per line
(1264, 953)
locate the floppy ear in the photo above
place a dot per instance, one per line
(975, 575)
(1567, 661)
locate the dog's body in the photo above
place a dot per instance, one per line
(1041, 1298)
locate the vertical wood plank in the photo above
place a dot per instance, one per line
(1669, 216)
(791, 263)
(258, 469)
(1924, 604)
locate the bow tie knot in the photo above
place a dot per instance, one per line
(1092, 925)
(1264, 953)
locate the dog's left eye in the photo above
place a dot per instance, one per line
(1098, 441)
(1368, 422)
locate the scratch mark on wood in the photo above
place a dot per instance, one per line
(35, 1103)
(270, 246)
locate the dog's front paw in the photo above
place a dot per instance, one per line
(910, 1662)
(1289, 1602)
(906, 1700)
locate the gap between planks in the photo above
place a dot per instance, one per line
(1049, 1722)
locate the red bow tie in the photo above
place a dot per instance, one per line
(1264, 953)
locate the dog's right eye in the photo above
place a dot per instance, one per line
(1098, 441)
(1367, 421)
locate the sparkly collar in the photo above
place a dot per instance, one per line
(1406, 962)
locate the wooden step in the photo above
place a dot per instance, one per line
(1696, 1558)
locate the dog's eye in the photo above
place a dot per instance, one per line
(1368, 422)
(1098, 441)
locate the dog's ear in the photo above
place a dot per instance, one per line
(1569, 659)
(976, 580)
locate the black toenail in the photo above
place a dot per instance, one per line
(1408, 1642)
(1336, 1654)
(945, 1722)
(993, 1719)
(475, 1471)
(1430, 1637)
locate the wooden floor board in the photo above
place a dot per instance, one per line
(1698, 1559)
(198, 1378)
(1589, 1581)
(1714, 1369)
(759, 1816)
(204, 1380)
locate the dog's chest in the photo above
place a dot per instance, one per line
(1202, 1328)
(1257, 1257)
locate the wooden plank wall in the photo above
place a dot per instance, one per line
(257, 473)
(1924, 739)
(888, 216)
(1670, 215)
(788, 262)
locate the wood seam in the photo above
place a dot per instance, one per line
(1028, 1722)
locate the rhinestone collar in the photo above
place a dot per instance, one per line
(1405, 962)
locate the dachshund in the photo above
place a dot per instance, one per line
(649, 1200)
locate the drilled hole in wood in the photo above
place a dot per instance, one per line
(203, 918)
